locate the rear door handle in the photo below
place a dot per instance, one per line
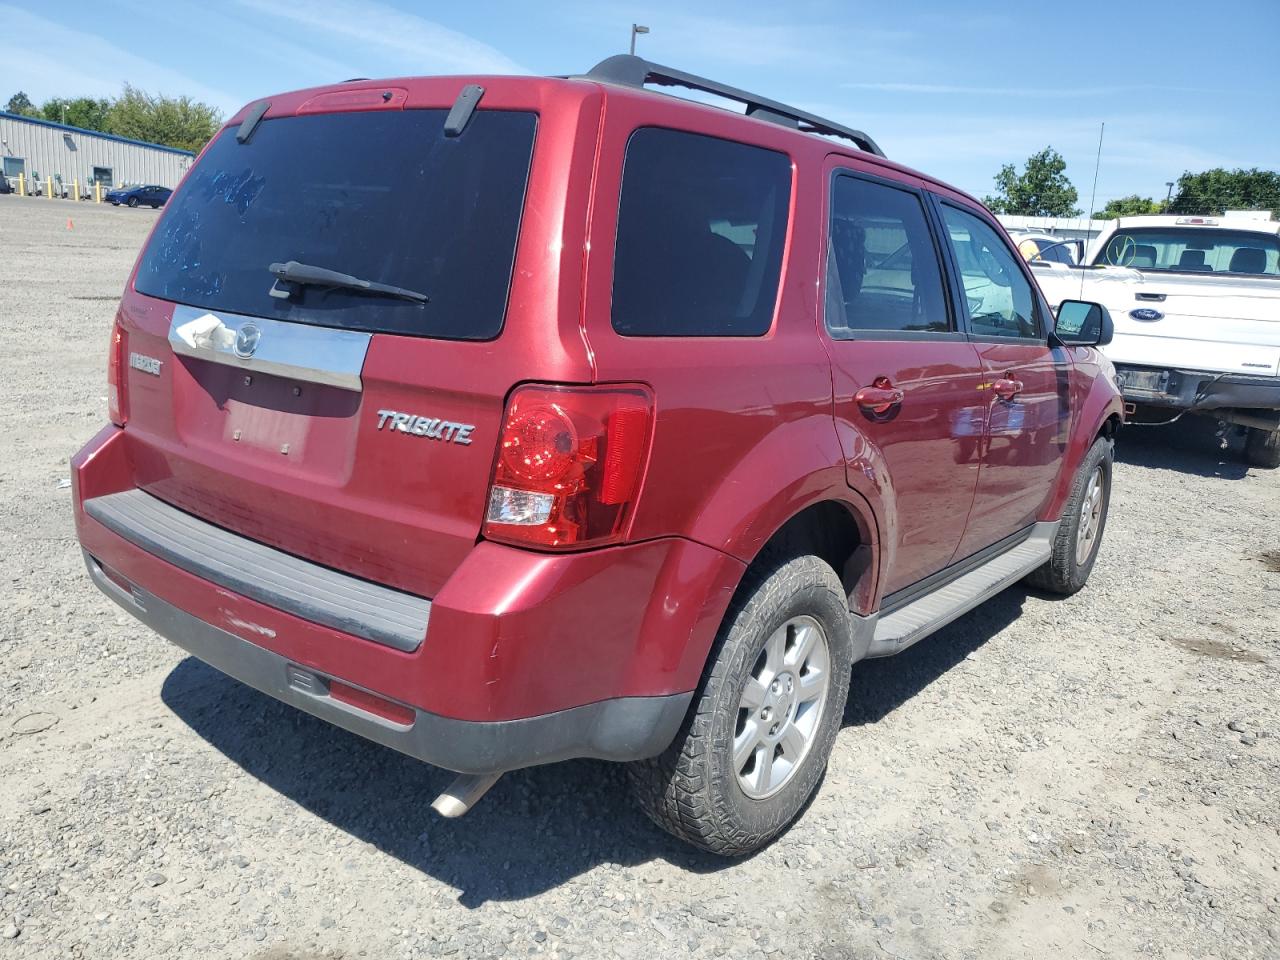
(1006, 389)
(881, 397)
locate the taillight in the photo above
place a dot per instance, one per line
(115, 376)
(569, 465)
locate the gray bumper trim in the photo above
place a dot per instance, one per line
(262, 573)
(627, 728)
(1201, 390)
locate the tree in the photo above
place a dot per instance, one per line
(1041, 190)
(84, 112)
(1214, 191)
(1130, 206)
(21, 104)
(173, 121)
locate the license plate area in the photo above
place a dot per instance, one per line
(1146, 381)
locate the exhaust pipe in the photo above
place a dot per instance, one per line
(464, 793)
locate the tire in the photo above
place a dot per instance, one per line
(694, 789)
(1070, 563)
(1262, 448)
(133, 201)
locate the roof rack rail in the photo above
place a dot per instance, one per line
(632, 71)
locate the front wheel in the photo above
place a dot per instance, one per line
(1262, 448)
(133, 201)
(755, 743)
(1075, 548)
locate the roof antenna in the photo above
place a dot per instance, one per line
(1093, 196)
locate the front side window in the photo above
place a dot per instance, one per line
(701, 227)
(998, 297)
(882, 267)
(1194, 250)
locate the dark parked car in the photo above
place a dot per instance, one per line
(149, 196)
(577, 420)
(4, 185)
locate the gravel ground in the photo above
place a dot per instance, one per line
(1091, 777)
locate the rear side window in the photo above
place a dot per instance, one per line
(1194, 250)
(997, 295)
(882, 267)
(701, 226)
(382, 196)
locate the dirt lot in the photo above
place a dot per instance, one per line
(1092, 777)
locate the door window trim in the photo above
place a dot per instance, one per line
(1037, 304)
(956, 333)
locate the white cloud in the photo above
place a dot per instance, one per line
(417, 46)
(47, 59)
(1062, 91)
(686, 39)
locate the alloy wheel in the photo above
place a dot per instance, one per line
(781, 707)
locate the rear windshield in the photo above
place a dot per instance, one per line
(1194, 250)
(382, 196)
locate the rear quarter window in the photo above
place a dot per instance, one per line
(701, 228)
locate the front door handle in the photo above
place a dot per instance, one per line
(879, 398)
(1006, 389)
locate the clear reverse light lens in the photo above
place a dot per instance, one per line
(519, 506)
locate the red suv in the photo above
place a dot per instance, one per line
(503, 420)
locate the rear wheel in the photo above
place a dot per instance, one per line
(1262, 448)
(755, 744)
(1075, 548)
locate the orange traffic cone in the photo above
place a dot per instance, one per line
(70, 225)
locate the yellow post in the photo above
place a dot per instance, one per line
(97, 191)
(22, 185)
(75, 189)
(48, 187)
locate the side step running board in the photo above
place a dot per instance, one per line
(898, 630)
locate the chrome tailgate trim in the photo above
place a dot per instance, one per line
(296, 350)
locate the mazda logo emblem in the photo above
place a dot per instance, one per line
(247, 338)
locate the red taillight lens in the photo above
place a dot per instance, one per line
(569, 465)
(115, 376)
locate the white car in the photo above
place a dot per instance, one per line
(1196, 306)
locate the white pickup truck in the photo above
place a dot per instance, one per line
(1196, 306)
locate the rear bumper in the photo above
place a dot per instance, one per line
(521, 658)
(1198, 389)
(626, 728)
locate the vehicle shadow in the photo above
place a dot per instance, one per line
(882, 685)
(536, 829)
(1188, 446)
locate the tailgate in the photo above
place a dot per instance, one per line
(1208, 323)
(382, 472)
(352, 426)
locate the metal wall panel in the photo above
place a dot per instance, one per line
(50, 150)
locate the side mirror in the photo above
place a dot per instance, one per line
(1083, 324)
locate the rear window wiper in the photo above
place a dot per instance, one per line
(307, 275)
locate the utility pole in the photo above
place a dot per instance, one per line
(636, 29)
(1168, 197)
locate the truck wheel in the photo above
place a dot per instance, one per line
(1262, 448)
(1075, 548)
(755, 743)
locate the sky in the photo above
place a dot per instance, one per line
(955, 89)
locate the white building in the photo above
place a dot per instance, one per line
(1068, 228)
(40, 149)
